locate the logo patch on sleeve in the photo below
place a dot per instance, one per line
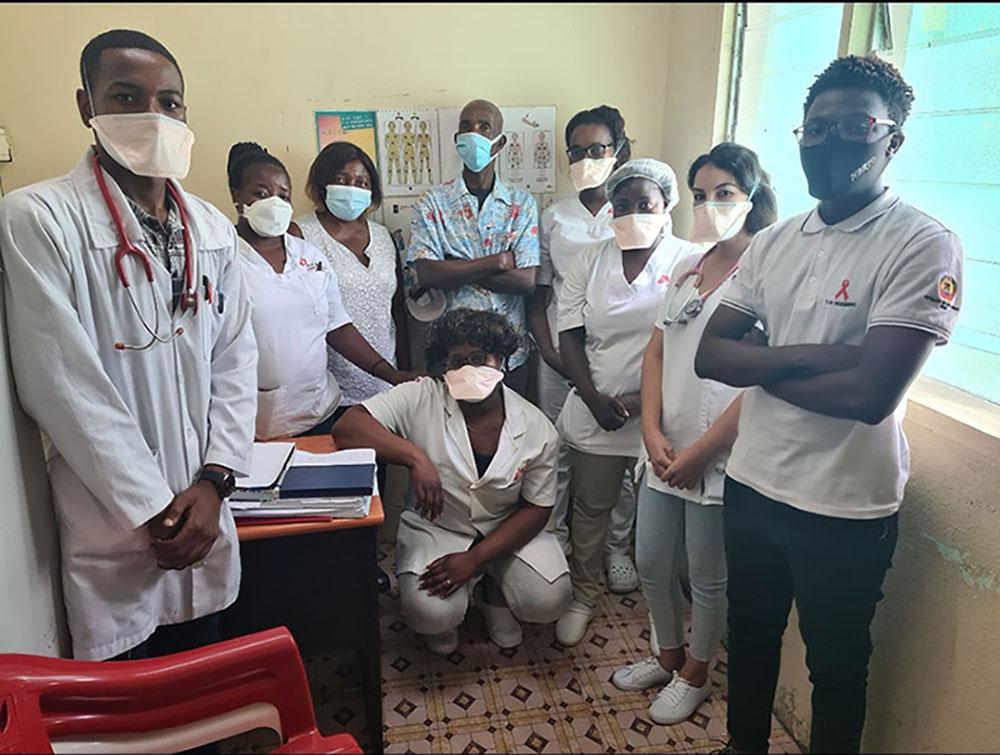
(945, 294)
(947, 289)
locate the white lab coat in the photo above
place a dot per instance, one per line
(524, 466)
(125, 431)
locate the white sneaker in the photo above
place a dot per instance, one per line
(642, 675)
(445, 643)
(621, 573)
(678, 700)
(504, 629)
(572, 625)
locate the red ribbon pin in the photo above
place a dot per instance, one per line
(843, 290)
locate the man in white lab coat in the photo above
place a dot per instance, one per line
(139, 368)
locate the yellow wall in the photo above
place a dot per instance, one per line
(259, 71)
(933, 685)
(694, 111)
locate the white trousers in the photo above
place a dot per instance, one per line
(528, 594)
(553, 389)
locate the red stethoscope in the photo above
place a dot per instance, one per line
(684, 300)
(189, 297)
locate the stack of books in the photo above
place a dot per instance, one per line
(285, 483)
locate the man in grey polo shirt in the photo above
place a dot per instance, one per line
(853, 295)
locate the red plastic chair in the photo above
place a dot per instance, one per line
(166, 704)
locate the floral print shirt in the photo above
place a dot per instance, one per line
(448, 224)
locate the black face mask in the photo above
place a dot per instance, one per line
(836, 167)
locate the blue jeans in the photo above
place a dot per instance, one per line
(666, 527)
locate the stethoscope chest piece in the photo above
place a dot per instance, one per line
(188, 298)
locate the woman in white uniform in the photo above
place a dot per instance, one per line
(607, 307)
(297, 308)
(596, 144)
(482, 464)
(689, 425)
(344, 186)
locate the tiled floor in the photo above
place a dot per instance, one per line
(538, 698)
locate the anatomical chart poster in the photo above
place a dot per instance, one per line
(529, 159)
(409, 151)
(527, 162)
(354, 126)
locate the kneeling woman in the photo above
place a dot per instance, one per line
(482, 464)
(297, 309)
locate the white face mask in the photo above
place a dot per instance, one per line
(472, 384)
(638, 230)
(269, 217)
(589, 173)
(147, 144)
(718, 221)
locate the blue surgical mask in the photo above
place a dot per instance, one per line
(347, 202)
(474, 149)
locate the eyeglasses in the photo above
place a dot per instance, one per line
(852, 128)
(594, 151)
(457, 361)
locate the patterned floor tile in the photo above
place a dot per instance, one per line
(538, 698)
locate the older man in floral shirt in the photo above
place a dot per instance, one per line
(476, 238)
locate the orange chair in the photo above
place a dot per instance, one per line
(166, 704)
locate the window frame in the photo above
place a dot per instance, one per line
(866, 28)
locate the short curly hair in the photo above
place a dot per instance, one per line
(871, 73)
(488, 331)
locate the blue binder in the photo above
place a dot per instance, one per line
(339, 480)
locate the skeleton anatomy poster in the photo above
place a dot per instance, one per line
(409, 150)
(529, 160)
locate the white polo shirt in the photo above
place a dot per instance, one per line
(292, 313)
(565, 228)
(812, 283)
(618, 318)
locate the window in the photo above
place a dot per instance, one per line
(950, 164)
(784, 46)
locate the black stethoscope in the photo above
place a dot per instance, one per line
(189, 297)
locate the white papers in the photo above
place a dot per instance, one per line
(266, 503)
(335, 458)
(334, 508)
(266, 466)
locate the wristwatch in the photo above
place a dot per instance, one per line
(223, 482)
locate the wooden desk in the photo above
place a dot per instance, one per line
(319, 579)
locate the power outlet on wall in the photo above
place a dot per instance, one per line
(6, 151)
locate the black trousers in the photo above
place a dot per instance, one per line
(833, 568)
(176, 638)
(518, 379)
